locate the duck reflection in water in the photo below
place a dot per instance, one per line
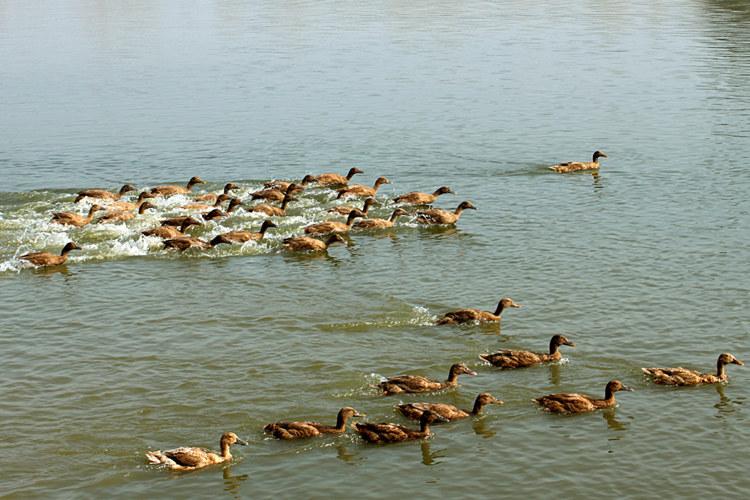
(351, 458)
(613, 423)
(480, 428)
(232, 483)
(430, 458)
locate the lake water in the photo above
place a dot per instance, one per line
(130, 348)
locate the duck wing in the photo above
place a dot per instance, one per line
(512, 358)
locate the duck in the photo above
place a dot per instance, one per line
(333, 226)
(124, 205)
(307, 244)
(45, 259)
(437, 216)
(466, 315)
(118, 215)
(296, 430)
(186, 242)
(73, 219)
(272, 210)
(417, 198)
(186, 458)
(217, 213)
(575, 166)
(512, 358)
(244, 236)
(380, 223)
(202, 206)
(337, 179)
(346, 210)
(169, 232)
(358, 190)
(450, 412)
(172, 190)
(683, 376)
(418, 383)
(284, 185)
(578, 403)
(385, 432)
(211, 197)
(101, 194)
(273, 194)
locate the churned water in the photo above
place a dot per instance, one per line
(130, 348)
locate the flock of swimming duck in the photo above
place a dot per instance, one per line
(188, 458)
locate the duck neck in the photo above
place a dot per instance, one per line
(350, 175)
(225, 450)
(478, 405)
(424, 427)
(452, 378)
(499, 310)
(394, 217)
(609, 396)
(341, 422)
(721, 369)
(554, 347)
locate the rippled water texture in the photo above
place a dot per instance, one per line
(130, 348)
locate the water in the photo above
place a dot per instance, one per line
(129, 348)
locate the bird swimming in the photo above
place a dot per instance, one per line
(74, 219)
(437, 216)
(101, 194)
(577, 403)
(337, 179)
(575, 166)
(307, 244)
(187, 458)
(358, 190)
(45, 259)
(418, 383)
(379, 223)
(172, 190)
(683, 376)
(450, 412)
(512, 358)
(296, 430)
(385, 432)
(466, 315)
(417, 198)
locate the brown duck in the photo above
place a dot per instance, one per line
(337, 179)
(512, 358)
(449, 412)
(284, 185)
(45, 259)
(186, 242)
(307, 244)
(273, 194)
(296, 430)
(272, 210)
(417, 198)
(194, 458)
(168, 232)
(437, 216)
(172, 190)
(683, 376)
(123, 205)
(333, 226)
(211, 197)
(466, 315)
(346, 210)
(418, 383)
(574, 166)
(202, 206)
(385, 432)
(577, 403)
(101, 194)
(380, 223)
(358, 190)
(119, 215)
(244, 236)
(217, 213)
(73, 219)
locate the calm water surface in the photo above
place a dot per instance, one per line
(129, 348)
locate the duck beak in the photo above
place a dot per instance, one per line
(738, 362)
(515, 305)
(242, 442)
(470, 372)
(571, 344)
(498, 402)
(358, 414)
(626, 388)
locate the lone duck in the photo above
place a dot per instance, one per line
(273, 194)
(417, 198)
(169, 232)
(73, 219)
(217, 213)
(172, 190)
(101, 194)
(296, 430)
(333, 226)
(466, 315)
(380, 223)
(186, 458)
(385, 432)
(244, 236)
(683, 376)
(307, 244)
(577, 403)
(418, 383)
(574, 166)
(346, 210)
(358, 190)
(511, 358)
(124, 205)
(45, 259)
(284, 185)
(118, 215)
(272, 210)
(437, 216)
(414, 411)
(211, 197)
(186, 242)
(202, 206)
(337, 179)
